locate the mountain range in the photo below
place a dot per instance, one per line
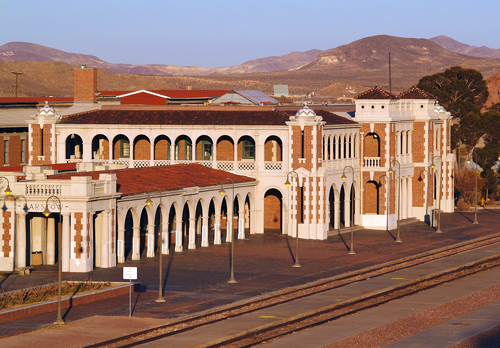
(341, 70)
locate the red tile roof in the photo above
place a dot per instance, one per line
(416, 93)
(176, 93)
(20, 100)
(376, 93)
(192, 117)
(174, 177)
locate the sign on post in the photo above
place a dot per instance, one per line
(130, 273)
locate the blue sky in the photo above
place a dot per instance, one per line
(229, 32)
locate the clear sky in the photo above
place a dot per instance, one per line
(221, 33)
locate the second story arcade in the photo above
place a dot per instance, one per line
(247, 140)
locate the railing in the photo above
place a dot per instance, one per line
(372, 162)
(43, 190)
(269, 165)
(225, 165)
(221, 165)
(246, 165)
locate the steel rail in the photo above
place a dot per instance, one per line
(292, 293)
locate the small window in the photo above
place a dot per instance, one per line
(207, 150)
(23, 150)
(124, 148)
(248, 149)
(5, 152)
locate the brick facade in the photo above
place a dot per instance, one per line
(85, 85)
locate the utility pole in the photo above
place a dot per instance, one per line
(17, 73)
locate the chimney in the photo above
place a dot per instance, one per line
(85, 85)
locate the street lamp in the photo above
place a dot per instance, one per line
(344, 177)
(47, 212)
(222, 192)
(287, 184)
(160, 246)
(426, 191)
(475, 190)
(398, 236)
(438, 226)
(387, 200)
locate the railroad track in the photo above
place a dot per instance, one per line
(326, 314)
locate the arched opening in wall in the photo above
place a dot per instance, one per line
(158, 229)
(162, 148)
(246, 149)
(273, 150)
(74, 147)
(345, 147)
(100, 147)
(36, 236)
(353, 204)
(198, 223)
(172, 228)
(236, 216)
(372, 201)
(350, 147)
(339, 147)
(143, 233)
(273, 211)
(372, 145)
(331, 199)
(225, 152)
(204, 148)
(342, 205)
(129, 233)
(247, 215)
(334, 147)
(183, 148)
(121, 147)
(142, 148)
(185, 226)
(96, 237)
(328, 153)
(211, 222)
(223, 219)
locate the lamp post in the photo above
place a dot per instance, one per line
(287, 184)
(398, 235)
(160, 246)
(438, 226)
(475, 190)
(222, 192)
(426, 191)
(387, 199)
(344, 177)
(47, 212)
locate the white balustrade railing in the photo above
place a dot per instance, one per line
(372, 162)
(43, 189)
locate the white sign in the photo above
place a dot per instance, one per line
(129, 272)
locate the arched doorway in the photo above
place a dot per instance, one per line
(273, 210)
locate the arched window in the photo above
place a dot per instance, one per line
(334, 147)
(350, 147)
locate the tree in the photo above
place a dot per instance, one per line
(460, 91)
(463, 92)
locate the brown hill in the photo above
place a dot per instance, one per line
(23, 51)
(361, 63)
(458, 47)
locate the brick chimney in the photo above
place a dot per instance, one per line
(85, 85)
